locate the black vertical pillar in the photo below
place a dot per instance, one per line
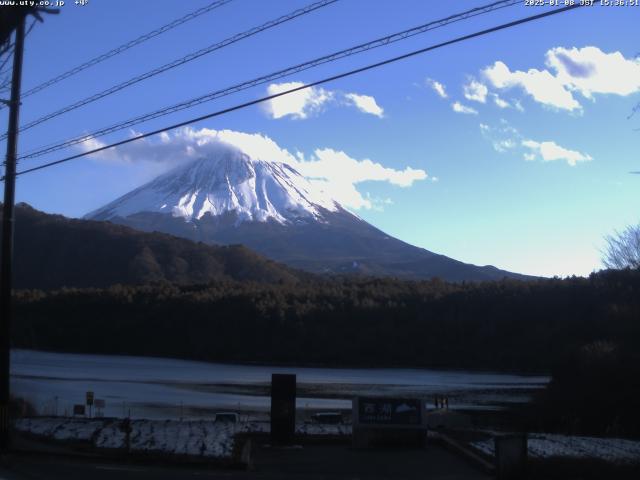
(283, 408)
(7, 237)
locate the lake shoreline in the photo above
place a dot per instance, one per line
(157, 387)
(309, 365)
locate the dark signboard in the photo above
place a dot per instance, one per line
(78, 409)
(89, 398)
(226, 417)
(389, 411)
(283, 408)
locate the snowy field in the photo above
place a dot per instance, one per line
(613, 450)
(158, 388)
(209, 439)
(200, 438)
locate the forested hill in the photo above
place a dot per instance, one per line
(505, 325)
(52, 251)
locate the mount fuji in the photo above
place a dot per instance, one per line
(227, 197)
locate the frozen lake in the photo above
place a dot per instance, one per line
(169, 388)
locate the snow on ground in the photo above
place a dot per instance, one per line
(202, 438)
(109, 436)
(614, 450)
(70, 429)
(196, 438)
(323, 429)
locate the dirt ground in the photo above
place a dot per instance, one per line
(296, 462)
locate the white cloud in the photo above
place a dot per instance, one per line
(504, 145)
(540, 84)
(518, 105)
(460, 108)
(378, 203)
(333, 171)
(550, 151)
(476, 91)
(168, 149)
(337, 173)
(587, 71)
(298, 104)
(309, 101)
(93, 144)
(505, 138)
(501, 103)
(366, 104)
(341, 166)
(438, 87)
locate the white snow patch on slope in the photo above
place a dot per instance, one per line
(227, 180)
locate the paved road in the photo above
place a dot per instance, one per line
(310, 462)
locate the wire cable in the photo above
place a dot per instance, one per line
(9, 56)
(181, 61)
(7, 84)
(379, 42)
(6, 48)
(309, 85)
(126, 46)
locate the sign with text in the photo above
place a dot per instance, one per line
(379, 411)
(89, 398)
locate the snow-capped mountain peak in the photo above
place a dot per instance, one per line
(229, 197)
(223, 182)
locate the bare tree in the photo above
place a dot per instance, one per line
(623, 249)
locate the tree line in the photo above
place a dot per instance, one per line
(504, 325)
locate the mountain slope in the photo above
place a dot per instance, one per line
(255, 190)
(229, 198)
(52, 251)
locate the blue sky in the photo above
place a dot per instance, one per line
(525, 169)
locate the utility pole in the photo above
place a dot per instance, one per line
(7, 237)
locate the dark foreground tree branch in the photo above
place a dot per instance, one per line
(623, 249)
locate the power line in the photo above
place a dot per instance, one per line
(6, 48)
(313, 84)
(6, 85)
(9, 56)
(33, 24)
(181, 61)
(126, 46)
(379, 42)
